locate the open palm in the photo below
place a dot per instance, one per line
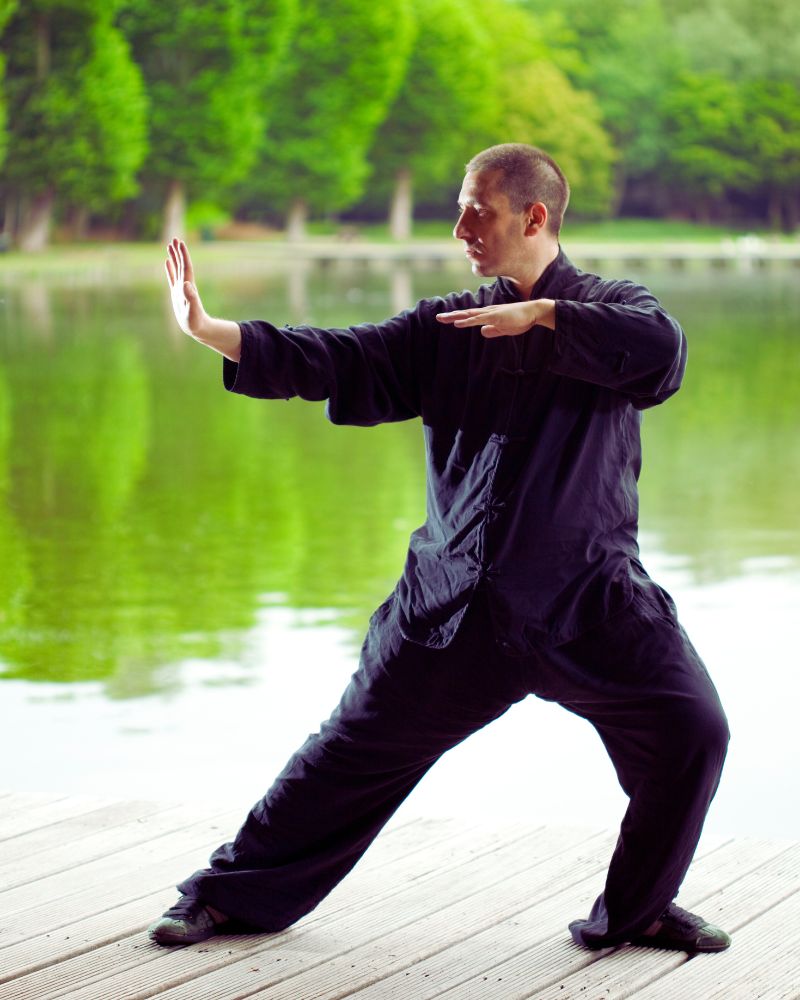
(186, 304)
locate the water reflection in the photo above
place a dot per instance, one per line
(154, 529)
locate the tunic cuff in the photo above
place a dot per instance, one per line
(230, 369)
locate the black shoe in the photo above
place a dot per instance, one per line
(684, 931)
(187, 922)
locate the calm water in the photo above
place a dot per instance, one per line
(190, 573)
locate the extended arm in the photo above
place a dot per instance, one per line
(626, 342)
(222, 335)
(367, 373)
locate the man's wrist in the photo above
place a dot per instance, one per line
(545, 313)
(223, 335)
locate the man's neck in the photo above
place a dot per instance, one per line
(536, 266)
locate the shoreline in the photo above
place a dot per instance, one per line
(143, 260)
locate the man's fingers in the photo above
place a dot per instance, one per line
(491, 331)
(170, 271)
(175, 258)
(462, 317)
(188, 270)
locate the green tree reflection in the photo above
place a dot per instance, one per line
(722, 459)
(146, 516)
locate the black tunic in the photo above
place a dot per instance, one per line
(532, 444)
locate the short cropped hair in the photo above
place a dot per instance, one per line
(529, 175)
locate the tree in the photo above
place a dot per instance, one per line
(201, 70)
(706, 136)
(77, 112)
(628, 58)
(329, 97)
(738, 39)
(538, 105)
(772, 113)
(755, 50)
(7, 8)
(441, 112)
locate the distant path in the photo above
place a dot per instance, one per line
(124, 262)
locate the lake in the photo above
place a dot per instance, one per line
(187, 575)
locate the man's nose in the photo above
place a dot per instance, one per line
(460, 230)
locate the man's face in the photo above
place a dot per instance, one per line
(494, 236)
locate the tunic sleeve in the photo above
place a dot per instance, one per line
(368, 373)
(626, 342)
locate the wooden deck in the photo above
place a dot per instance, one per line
(433, 910)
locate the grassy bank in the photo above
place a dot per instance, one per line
(126, 261)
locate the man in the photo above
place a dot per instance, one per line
(524, 578)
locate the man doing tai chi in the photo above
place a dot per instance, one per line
(524, 579)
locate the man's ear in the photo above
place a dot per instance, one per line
(537, 218)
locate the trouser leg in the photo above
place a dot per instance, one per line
(404, 707)
(641, 683)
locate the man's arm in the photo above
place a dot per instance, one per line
(367, 373)
(625, 341)
(506, 320)
(222, 335)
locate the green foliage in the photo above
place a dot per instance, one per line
(263, 103)
(628, 60)
(537, 104)
(108, 138)
(772, 110)
(204, 216)
(205, 114)
(706, 135)
(739, 39)
(441, 113)
(329, 96)
(77, 105)
(7, 8)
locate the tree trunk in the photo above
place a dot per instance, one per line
(10, 215)
(174, 212)
(790, 214)
(42, 47)
(296, 221)
(619, 189)
(37, 216)
(775, 210)
(78, 223)
(401, 212)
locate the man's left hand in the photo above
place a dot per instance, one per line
(507, 320)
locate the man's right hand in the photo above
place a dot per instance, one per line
(223, 335)
(186, 304)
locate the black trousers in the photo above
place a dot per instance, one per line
(636, 678)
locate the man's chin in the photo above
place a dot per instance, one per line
(480, 267)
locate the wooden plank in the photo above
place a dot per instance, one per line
(100, 833)
(397, 847)
(95, 887)
(763, 963)
(435, 909)
(571, 972)
(394, 861)
(85, 934)
(364, 888)
(21, 816)
(24, 845)
(312, 962)
(544, 924)
(541, 927)
(97, 871)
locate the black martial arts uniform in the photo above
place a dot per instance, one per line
(524, 579)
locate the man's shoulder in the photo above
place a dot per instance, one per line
(585, 286)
